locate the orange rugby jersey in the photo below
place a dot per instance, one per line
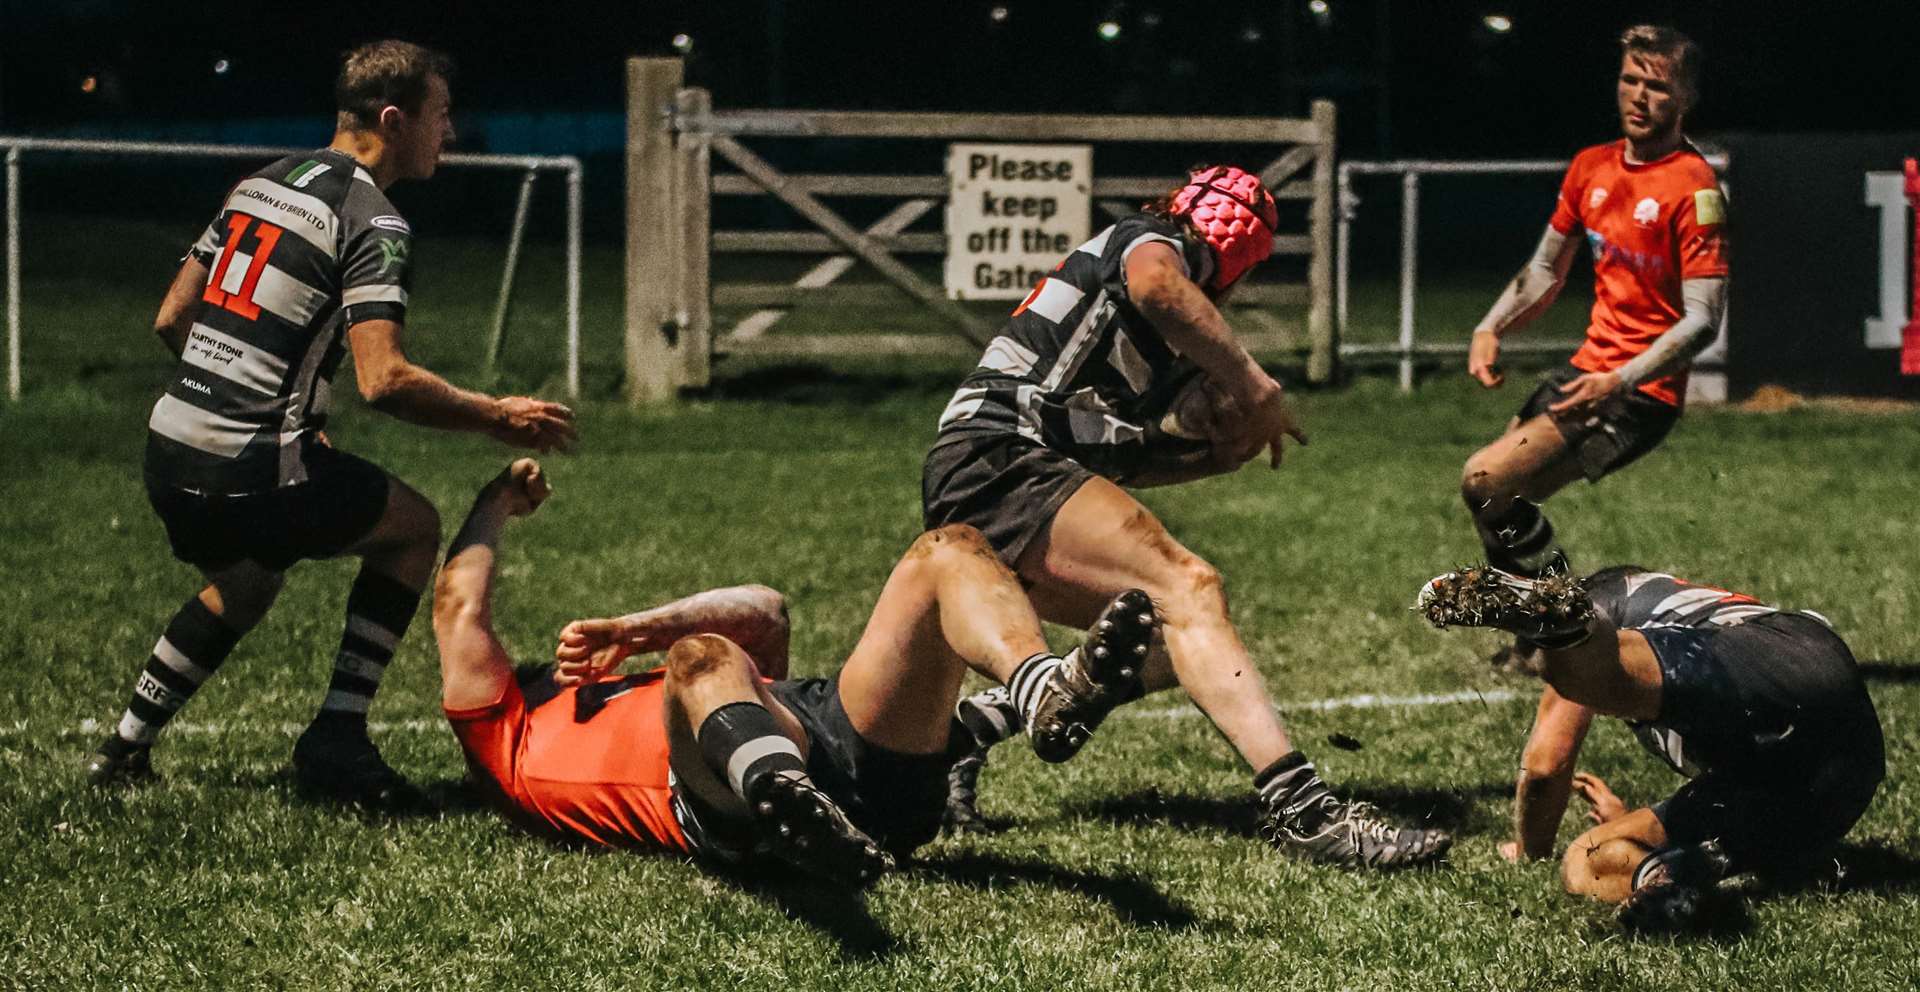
(1651, 226)
(590, 763)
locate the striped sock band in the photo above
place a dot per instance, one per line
(1286, 778)
(741, 742)
(989, 715)
(379, 608)
(186, 656)
(1029, 679)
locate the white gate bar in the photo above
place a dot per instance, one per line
(498, 333)
(1409, 252)
(16, 144)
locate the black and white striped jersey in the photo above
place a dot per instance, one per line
(1077, 368)
(1636, 599)
(300, 251)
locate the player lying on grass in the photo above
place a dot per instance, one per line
(1761, 708)
(1071, 403)
(1651, 211)
(716, 752)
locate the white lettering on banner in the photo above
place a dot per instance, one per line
(1013, 212)
(1886, 192)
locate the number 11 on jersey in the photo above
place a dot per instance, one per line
(240, 301)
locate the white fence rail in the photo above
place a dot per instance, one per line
(1410, 171)
(530, 165)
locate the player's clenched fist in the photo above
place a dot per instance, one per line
(589, 649)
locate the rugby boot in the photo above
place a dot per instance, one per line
(804, 827)
(119, 762)
(991, 717)
(340, 764)
(1320, 826)
(1670, 888)
(1093, 680)
(1551, 611)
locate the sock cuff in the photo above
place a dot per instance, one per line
(1281, 772)
(741, 740)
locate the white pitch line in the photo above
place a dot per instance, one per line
(1365, 701)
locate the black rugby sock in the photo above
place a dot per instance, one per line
(186, 656)
(741, 743)
(1521, 540)
(379, 609)
(1289, 779)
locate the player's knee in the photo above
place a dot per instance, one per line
(702, 655)
(1196, 592)
(948, 540)
(1481, 482)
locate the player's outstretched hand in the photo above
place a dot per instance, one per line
(522, 486)
(589, 650)
(1267, 425)
(1483, 359)
(526, 422)
(1605, 805)
(1586, 392)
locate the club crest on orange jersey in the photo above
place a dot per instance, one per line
(1646, 212)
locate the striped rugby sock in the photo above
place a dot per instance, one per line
(741, 743)
(1029, 679)
(379, 608)
(186, 656)
(1521, 540)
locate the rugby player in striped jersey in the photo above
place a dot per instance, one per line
(306, 261)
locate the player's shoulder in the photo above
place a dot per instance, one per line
(1689, 167)
(365, 206)
(1594, 158)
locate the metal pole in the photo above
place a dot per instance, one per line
(1344, 205)
(1409, 238)
(13, 274)
(513, 261)
(573, 279)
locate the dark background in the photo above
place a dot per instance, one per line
(1412, 78)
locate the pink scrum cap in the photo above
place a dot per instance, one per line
(1235, 214)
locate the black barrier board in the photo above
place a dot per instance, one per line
(1813, 272)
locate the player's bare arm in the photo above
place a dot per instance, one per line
(752, 616)
(396, 386)
(182, 301)
(1600, 864)
(1705, 300)
(1183, 315)
(1546, 775)
(473, 664)
(1528, 296)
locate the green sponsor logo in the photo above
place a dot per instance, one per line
(392, 252)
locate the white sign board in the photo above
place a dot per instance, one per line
(1013, 212)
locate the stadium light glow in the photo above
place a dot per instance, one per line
(220, 67)
(998, 15)
(1319, 8)
(1109, 30)
(1498, 23)
(1251, 34)
(683, 43)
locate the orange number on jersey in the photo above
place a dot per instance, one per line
(241, 300)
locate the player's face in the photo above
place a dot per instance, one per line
(1650, 99)
(423, 135)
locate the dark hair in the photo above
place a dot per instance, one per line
(383, 74)
(1677, 49)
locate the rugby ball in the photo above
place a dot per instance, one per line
(1198, 407)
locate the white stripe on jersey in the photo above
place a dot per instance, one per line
(1687, 599)
(373, 294)
(1007, 356)
(1056, 299)
(230, 358)
(286, 297)
(1097, 245)
(1074, 354)
(299, 213)
(1125, 358)
(236, 273)
(1099, 427)
(965, 403)
(1735, 615)
(196, 428)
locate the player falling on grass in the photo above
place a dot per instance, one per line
(1763, 709)
(717, 752)
(1064, 410)
(306, 260)
(1652, 213)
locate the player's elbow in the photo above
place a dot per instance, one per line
(769, 602)
(385, 389)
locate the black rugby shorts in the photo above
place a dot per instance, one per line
(341, 501)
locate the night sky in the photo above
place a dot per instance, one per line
(1412, 78)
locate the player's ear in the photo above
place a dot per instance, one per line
(391, 116)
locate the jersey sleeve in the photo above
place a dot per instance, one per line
(377, 264)
(207, 248)
(1573, 188)
(1699, 233)
(1142, 229)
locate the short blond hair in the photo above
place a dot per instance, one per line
(1676, 49)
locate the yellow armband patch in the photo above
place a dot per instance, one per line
(1709, 207)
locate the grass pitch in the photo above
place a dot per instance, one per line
(1133, 867)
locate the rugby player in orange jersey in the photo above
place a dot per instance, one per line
(1652, 212)
(709, 754)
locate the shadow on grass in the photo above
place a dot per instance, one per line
(1132, 899)
(1889, 670)
(835, 911)
(447, 797)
